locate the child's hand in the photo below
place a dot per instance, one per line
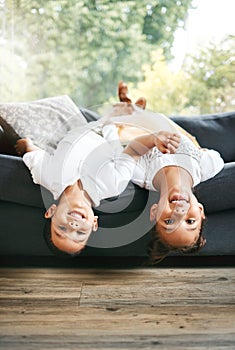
(25, 145)
(167, 142)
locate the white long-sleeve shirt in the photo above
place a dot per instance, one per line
(84, 154)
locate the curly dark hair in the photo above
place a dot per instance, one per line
(50, 244)
(158, 250)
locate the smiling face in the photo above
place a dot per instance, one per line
(178, 218)
(72, 222)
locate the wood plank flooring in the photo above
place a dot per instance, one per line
(140, 308)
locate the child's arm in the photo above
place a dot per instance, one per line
(166, 143)
(41, 164)
(33, 158)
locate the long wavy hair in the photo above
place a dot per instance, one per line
(158, 249)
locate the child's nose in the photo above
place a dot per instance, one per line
(181, 209)
(75, 224)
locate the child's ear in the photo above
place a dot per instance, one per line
(202, 210)
(95, 224)
(153, 212)
(50, 211)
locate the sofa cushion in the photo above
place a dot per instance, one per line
(218, 193)
(89, 115)
(45, 121)
(214, 131)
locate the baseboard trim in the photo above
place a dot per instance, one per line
(115, 262)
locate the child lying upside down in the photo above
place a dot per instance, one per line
(178, 216)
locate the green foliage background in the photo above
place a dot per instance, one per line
(83, 48)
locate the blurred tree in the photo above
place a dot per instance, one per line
(212, 78)
(165, 91)
(205, 84)
(82, 47)
(161, 21)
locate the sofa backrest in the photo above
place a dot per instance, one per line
(216, 131)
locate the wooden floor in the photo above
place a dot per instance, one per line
(147, 308)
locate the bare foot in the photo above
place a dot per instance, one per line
(122, 92)
(123, 96)
(141, 102)
(25, 145)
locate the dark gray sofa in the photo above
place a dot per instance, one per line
(22, 205)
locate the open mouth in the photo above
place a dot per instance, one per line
(179, 199)
(76, 215)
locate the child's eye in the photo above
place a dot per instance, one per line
(169, 221)
(62, 228)
(190, 221)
